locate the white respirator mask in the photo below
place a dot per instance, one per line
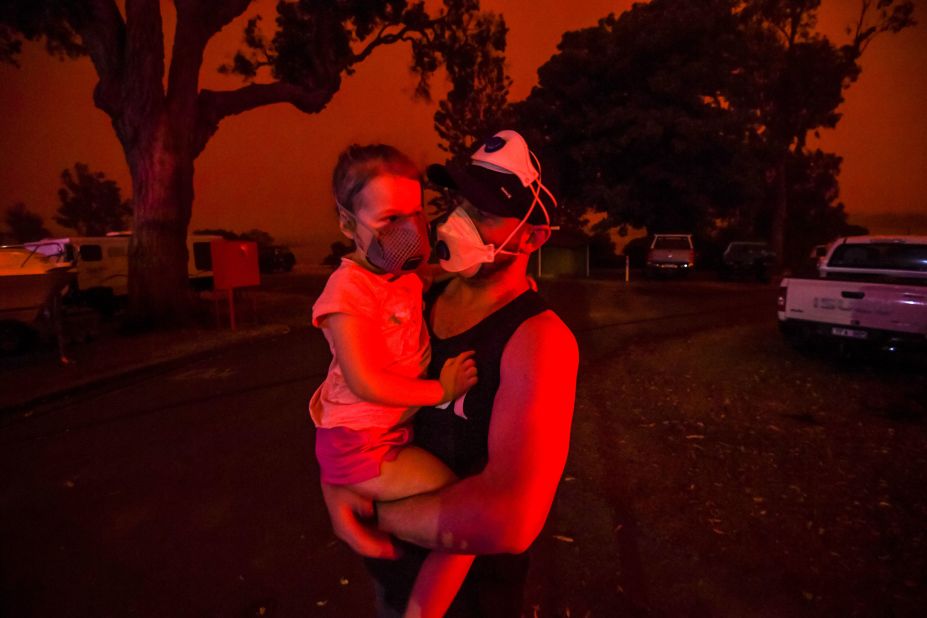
(460, 248)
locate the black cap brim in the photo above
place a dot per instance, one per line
(494, 192)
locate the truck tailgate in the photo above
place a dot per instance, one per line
(669, 255)
(879, 306)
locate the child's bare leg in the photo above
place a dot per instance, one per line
(417, 471)
(437, 584)
(414, 471)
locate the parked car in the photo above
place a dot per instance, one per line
(275, 258)
(747, 260)
(870, 289)
(670, 253)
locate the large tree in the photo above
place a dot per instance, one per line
(800, 76)
(634, 122)
(683, 115)
(24, 225)
(816, 214)
(475, 105)
(164, 129)
(91, 203)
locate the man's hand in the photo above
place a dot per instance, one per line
(347, 511)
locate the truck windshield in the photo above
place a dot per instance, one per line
(880, 256)
(672, 243)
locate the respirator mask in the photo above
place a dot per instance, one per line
(516, 179)
(398, 247)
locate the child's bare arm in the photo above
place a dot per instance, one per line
(362, 357)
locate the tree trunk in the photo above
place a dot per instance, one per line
(163, 131)
(162, 180)
(780, 211)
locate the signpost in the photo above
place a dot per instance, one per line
(234, 265)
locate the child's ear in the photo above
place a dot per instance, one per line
(346, 224)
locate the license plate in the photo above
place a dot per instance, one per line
(849, 332)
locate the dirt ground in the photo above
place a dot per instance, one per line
(729, 475)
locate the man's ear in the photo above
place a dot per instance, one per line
(535, 239)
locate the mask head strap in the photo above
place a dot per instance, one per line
(535, 186)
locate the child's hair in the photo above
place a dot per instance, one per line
(358, 165)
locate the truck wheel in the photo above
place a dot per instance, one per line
(15, 338)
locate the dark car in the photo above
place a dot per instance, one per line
(275, 259)
(754, 260)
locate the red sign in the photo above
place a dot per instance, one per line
(234, 264)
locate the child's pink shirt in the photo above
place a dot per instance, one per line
(394, 305)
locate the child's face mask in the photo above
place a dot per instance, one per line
(398, 247)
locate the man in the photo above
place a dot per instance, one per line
(507, 438)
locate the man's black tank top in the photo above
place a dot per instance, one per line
(459, 433)
(494, 586)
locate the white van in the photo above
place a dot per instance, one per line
(102, 262)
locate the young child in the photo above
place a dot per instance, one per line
(371, 314)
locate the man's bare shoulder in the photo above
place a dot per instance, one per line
(544, 333)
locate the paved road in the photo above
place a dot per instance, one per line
(194, 492)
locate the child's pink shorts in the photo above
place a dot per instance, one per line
(349, 456)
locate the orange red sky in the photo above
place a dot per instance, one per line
(270, 168)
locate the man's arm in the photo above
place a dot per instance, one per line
(502, 509)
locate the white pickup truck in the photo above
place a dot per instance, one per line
(869, 288)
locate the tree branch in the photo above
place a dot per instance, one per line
(214, 106)
(224, 103)
(197, 22)
(380, 39)
(144, 54)
(213, 15)
(103, 34)
(388, 39)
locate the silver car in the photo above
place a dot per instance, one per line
(670, 253)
